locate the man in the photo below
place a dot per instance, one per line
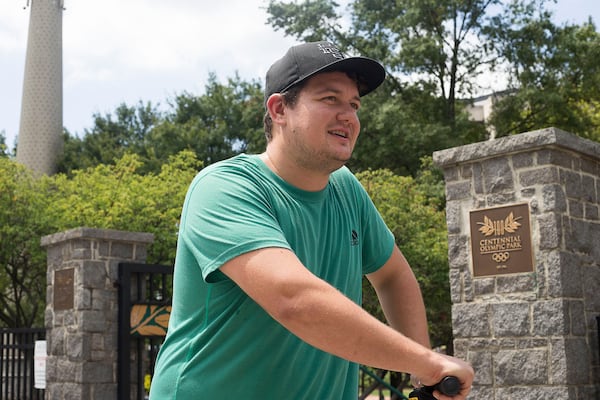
(271, 253)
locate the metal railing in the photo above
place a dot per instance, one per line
(377, 383)
(17, 363)
(146, 285)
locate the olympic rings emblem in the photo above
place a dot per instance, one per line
(501, 257)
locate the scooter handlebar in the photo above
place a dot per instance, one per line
(450, 386)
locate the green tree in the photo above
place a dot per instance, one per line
(224, 121)
(434, 52)
(114, 196)
(118, 196)
(110, 138)
(441, 46)
(555, 73)
(22, 263)
(3, 146)
(413, 210)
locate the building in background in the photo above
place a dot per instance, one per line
(480, 109)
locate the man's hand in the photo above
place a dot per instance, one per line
(451, 366)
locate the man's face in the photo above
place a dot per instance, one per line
(323, 126)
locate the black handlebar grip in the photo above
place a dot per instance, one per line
(449, 386)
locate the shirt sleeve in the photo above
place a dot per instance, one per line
(226, 214)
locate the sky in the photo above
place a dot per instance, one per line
(126, 51)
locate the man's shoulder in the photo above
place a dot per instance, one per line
(240, 165)
(344, 177)
(240, 161)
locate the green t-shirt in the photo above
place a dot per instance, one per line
(220, 343)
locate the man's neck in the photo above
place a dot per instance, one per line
(286, 169)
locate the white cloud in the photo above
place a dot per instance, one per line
(162, 37)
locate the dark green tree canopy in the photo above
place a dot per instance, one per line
(435, 53)
(555, 76)
(110, 137)
(224, 121)
(435, 45)
(115, 196)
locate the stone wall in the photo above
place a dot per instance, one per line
(531, 335)
(82, 310)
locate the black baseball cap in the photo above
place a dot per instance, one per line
(305, 60)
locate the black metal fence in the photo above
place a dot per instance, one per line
(144, 306)
(17, 378)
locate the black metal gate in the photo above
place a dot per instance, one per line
(144, 309)
(17, 363)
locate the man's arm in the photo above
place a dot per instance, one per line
(400, 298)
(322, 316)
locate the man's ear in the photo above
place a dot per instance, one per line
(276, 107)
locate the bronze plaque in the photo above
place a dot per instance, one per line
(501, 240)
(64, 281)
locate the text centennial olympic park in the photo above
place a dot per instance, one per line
(500, 244)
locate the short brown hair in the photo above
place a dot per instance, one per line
(290, 98)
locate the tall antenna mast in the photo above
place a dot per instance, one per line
(40, 140)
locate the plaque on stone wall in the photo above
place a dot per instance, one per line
(501, 240)
(64, 281)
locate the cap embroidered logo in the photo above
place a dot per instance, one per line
(328, 48)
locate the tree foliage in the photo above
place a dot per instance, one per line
(3, 146)
(111, 137)
(114, 196)
(117, 196)
(431, 44)
(22, 264)
(434, 52)
(555, 75)
(437, 51)
(413, 210)
(224, 121)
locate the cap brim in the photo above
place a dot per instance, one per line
(369, 72)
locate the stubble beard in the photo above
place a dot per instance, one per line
(316, 160)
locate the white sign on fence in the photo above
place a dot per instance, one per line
(39, 364)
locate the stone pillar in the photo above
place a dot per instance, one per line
(531, 334)
(82, 309)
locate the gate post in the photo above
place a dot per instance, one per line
(529, 330)
(81, 315)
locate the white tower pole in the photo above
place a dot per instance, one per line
(40, 133)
